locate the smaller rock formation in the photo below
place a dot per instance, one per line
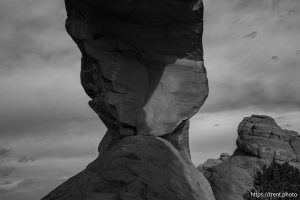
(205, 167)
(224, 156)
(260, 140)
(260, 136)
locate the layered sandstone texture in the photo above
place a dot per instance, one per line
(142, 67)
(260, 140)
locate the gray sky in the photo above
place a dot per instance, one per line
(48, 132)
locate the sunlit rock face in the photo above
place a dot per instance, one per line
(260, 140)
(142, 66)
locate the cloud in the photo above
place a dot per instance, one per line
(275, 58)
(9, 184)
(292, 12)
(251, 35)
(6, 171)
(40, 65)
(26, 159)
(4, 151)
(287, 125)
(240, 72)
(31, 29)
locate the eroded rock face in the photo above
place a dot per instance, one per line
(260, 136)
(234, 177)
(142, 66)
(132, 170)
(259, 140)
(231, 179)
(142, 61)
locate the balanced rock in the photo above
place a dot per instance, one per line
(142, 61)
(260, 140)
(142, 66)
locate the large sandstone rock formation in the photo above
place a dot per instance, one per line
(260, 140)
(260, 136)
(142, 66)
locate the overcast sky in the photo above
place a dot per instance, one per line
(47, 130)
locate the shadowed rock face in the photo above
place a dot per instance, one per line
(142, 66)
(132, 169)
(259, 141)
